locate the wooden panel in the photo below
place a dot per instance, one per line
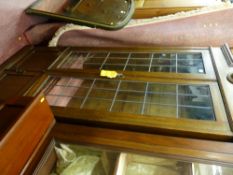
(39, 151)
(10, 113)
(22, 138)
(39, 59)
(15, 58)
(12, 85)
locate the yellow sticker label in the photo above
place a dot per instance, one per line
(108, 74)
(42, 99)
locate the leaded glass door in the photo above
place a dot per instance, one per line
(169, 91)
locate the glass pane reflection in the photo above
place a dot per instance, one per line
(204, 169)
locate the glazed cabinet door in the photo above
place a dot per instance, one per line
(159, 90)
(86, 150)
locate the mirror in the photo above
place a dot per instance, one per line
(107, 14)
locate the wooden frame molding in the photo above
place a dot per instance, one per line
(222, 71)
(209, 71)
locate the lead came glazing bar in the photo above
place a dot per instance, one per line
(127, 61)
(114, 99)
(85, 99)
(144, 101)
(63, 63)
(57, 99)
(177, 101)
(151, 60)
(105, 60)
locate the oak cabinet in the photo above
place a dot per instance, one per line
(171, 91)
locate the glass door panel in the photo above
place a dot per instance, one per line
(175, 62)
(135, 97)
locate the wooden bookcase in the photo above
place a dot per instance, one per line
(172, 91)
